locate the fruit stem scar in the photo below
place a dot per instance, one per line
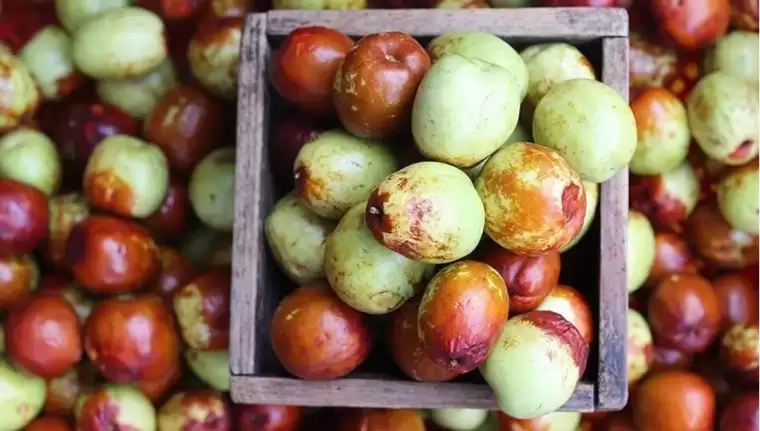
(373, 210)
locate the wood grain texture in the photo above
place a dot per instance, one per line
(379, 393)
(612, 393)
(251, 193)
(547, 23)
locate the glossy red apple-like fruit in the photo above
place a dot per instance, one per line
(130, 339)
(202, 308)
(692, 24)
(376, 83)
(65, 212)
(267, 417)
(674, 400)
(43, 336)
(573, 306)
(288, 135)
(196, 409)
(715, 241)
(741, 414)
(325, 339)
(529, 278)
(19, 275)
(671, 255)
(185, 124)
(23, 217)
(111, 255)
(171, 220)
(304, 66)
(157, 389)
(176, 271)
(407, 350)
(738, 300)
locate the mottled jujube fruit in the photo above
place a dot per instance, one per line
(667, 199)
(65, 212)
(534, 200)
(640, 347)
(201, 408)
(428, 211)
(115, 407)
(738, 54)
(461, 314)
(738, 197)
(19, 276)
(740, 352)
(202, 308)
(316, 336)
(674, 400)
(21, 99)
(571, 304)
(653, 65)
(214, 55)
(692, 24)
(715, 241)
(684, 313)
(132, 338)
(267, 417)
(365, 274)
(542, 348)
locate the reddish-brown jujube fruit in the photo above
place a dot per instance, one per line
(461, 314)
(111, 255)
(288, 135)
(573, 306)
(18, 277)
(714, 240)
(674, 400)
(43, 336)
(130, 339)
(316, 336)
(741, 414)
(176, 271)
(48, 423)
(202, 308)
(23, 217)
(304, 67)
(671, 255)
(156, 390)
(666, 199)
(693, 24)
(666, 358)
(684, 313)
(740, 353)
(376, 83)
(65, 212)
(529, 278)
(406, 347)
(201, 409)
(380, 420)
(737, 298)
(267, 417)
(171, 220)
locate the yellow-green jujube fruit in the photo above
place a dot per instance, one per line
(297, 238)
(22, 396)
(548, 64)
(737, 54)
(459, 419)
(663, 132)
(132, 409)
(640, 346)
(120, 44)
(30, 157)
(138, 96)
(738, 196)
(589, 125)
(464, 110)
(482, 46)
(640, 249)
(214, 57)
(48, 56)
(320, 4)
(20, 96)
(682, 186)
(74, 13)
(592, 202)
(126, 176)
(337, 170)
(520, 134)
(190, 409)
(367, 275)
(427, 211)
(723, 117)
(212, 189)
(211, 366)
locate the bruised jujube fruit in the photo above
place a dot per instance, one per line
(461, 314)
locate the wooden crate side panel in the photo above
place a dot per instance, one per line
(612, 391)
(536, 23)
(376, 393)
(252, 192)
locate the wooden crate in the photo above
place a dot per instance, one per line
(599, 260)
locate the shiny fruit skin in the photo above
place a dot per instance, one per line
(304, 67)
(288, 135)
(185, 124)
(48, 423)
(43, 336)
(316, 336)
(573, 306)
(173, 9)
(714, 240)
(102, 268)
(176, 271)
(376, 83)
(407, 350)
(65, 211)
(740, 353)
(666, 358)
(263, 417)
(741, 414)
(684, 313)
(19, 275)
(171, 220)
(202, 308)
(693, 24)
(156, 390)
(672, 255)
(461, 315)
(674, 400)
(23, 217)
(529, 278)
(738, 300)
(132, 339)
(201, 409)
(380, 420)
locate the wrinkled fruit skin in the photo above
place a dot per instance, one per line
(546, 208)
(132, 339)
(304, 67)
(375, 86)
(461, 315)
(23, 217)
(694, 24)
(407, 350)
(325, 339)
(261, 417)
(573, 306)
(674, 400)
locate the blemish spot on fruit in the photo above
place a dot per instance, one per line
(570, 203)
(743, 150)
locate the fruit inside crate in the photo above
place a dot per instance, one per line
(380, 373)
